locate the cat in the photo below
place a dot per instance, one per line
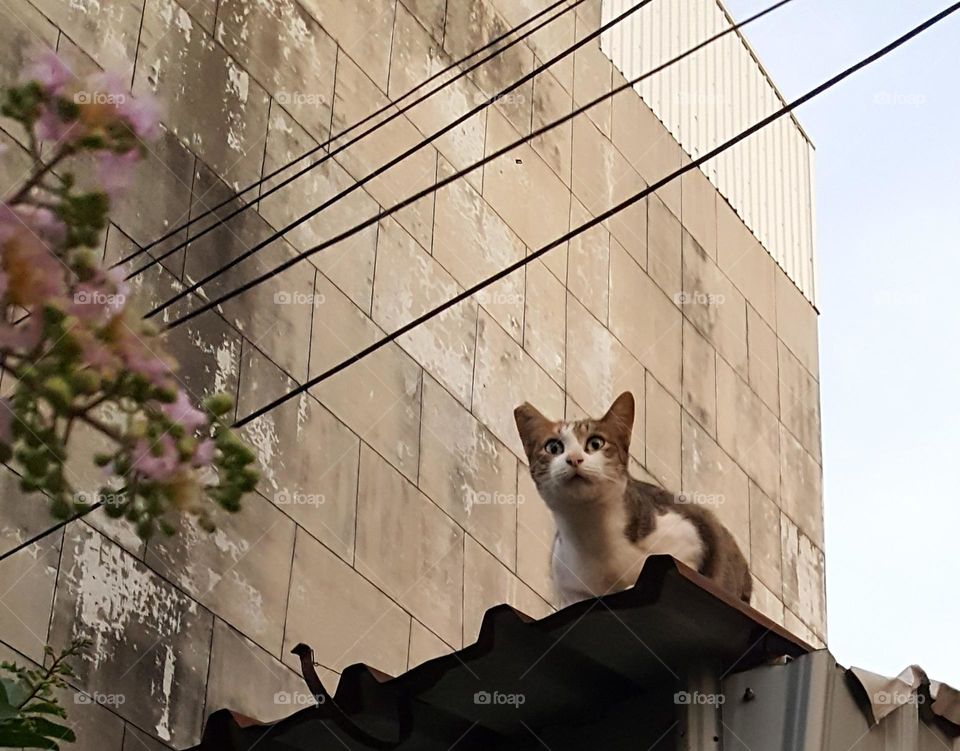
(609, 522)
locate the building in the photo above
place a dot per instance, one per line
(395, 507)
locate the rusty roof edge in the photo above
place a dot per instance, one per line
(886, 694)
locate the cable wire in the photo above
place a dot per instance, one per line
(59, 525)
(396, 160)
(420, 320)
(296, 258)
(786, 109)
(373, 115)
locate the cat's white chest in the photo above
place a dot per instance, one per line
(582, 570)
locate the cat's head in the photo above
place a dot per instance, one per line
(577, 461)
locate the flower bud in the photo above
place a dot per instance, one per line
(58, 392)
(86, 381)
(218, 404)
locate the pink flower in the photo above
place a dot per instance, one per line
(51, 128)
(100, 298)
(35, 276)
(161, 466)
(183, 413)
(42, 222)
(114, 171)
(135, 353)
(155, 369)
(95, 355)
(204, 454)
(22, 337)
(47, 69)
(142, 114)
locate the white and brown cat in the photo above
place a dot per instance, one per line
(608, 522)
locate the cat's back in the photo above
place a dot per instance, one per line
(657, 524)
(661, 522)
(647, 500)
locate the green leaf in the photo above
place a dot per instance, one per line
(14, 692)
(52, 729)
(47, 707)
(21, 737)
(7, 710)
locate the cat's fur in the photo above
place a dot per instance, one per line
(608, 522)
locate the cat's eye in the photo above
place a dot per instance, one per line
(595, 443)
(553, 446)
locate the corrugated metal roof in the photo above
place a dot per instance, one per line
(671, 663)
(813, 704)
(580, 672)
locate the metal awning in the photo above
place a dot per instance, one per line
(604, 671)
(673, 663)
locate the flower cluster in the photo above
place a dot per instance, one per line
(68, 338)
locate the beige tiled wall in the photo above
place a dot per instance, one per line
(395, 506)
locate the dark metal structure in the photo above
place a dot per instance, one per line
(673, 663)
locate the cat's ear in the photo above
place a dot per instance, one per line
(619, 417)
(530, 425)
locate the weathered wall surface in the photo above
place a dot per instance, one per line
(395, 504)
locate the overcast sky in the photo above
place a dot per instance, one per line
(888, 222)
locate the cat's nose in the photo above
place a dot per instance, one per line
(575, 461)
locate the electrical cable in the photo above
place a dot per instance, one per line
(296, 258)
(786, 109)
(373, 115)
(695, 164)
(396, 160)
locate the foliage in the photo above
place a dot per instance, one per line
(69, 339)
(29, 711)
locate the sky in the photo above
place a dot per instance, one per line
(888, 223)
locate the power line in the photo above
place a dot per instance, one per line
(373, 115)
(296, 258)
(59, 525)
(786, 109)
(439, 185)
(396, 160)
